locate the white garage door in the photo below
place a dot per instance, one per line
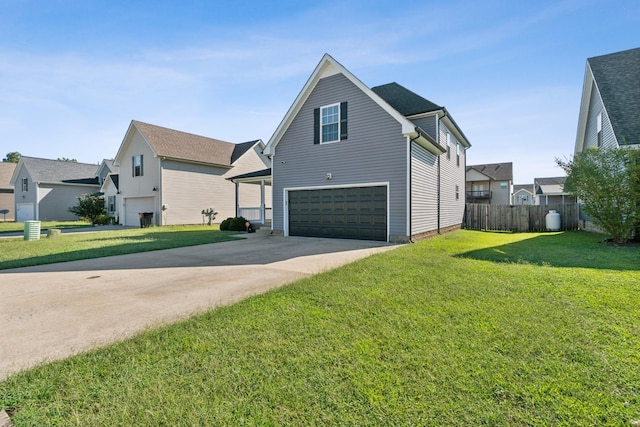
(25, 212)
(133, 206)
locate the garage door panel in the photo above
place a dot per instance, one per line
(351, 213)
(133, 207)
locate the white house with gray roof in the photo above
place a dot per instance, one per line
(610, 105)
(379, 163)
(45, 189)
(176, 175)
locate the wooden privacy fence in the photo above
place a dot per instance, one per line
(519, 218)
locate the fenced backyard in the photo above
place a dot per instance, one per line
(518, 218)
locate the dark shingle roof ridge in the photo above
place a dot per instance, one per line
(405, 101)
(617, 76)
(242, 148)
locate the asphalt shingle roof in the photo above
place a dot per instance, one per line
(175, 144)
(6, 171)
(496, 171)
(403, 100)
(617, 76)
(46, 170)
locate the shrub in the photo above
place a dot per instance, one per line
(90, 207)
(234, 224)
(103, 220)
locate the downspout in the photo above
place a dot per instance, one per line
(438, 192)
(409, 191)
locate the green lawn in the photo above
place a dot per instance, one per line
(16, 252)
(465, 329)
(12, 227)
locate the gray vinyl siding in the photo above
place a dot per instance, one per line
(591, 139)
(187, 189)
(374, 152)
(424, 190)
(429, 125)
(55, 200)
(451, 174)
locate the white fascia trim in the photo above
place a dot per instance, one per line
(285, 199)
(328, 66)
(116, 160)
(585, 102)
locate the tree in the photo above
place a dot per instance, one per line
(90, 207)
(12, 157)
(607, 182)
(64, 159)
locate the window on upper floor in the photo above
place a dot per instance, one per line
(599, 129)
(330, 123)
(137, 165)
(25, 184)
(458, 153)
(448, 145)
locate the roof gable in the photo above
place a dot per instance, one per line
(57, 171)
(328, 67)
(617, 77)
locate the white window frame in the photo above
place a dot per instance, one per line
(448, 145)
(25, 184)
(599, 129)
(322, 124)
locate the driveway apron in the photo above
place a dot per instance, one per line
(54, 311)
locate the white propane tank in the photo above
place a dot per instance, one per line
(553, 221)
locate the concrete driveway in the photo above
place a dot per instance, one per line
(51, 312)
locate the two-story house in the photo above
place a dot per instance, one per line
(379, 163)
(490, 183)
(173, 176)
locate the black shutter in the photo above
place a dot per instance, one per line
(141, 164)
(133, 165)
(316, 126)
(343, 120)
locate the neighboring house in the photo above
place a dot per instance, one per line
(610, 105)
(490, 183)
(45, 189)
(522, 194)
(106, 167)
(380, 163)
(111, 193)
(6, 191)
(551, 190)
(176, 175)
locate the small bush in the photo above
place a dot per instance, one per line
(234, 224)
(103, 220)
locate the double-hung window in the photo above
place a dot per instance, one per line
(25, 184)
(330, 123)
(457, 153)
(448, 145)
(136, 165)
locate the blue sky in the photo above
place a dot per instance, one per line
(73, 74)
